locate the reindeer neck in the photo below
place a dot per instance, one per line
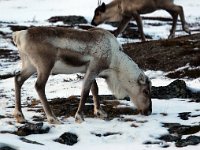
(123, 63)
(113, 6)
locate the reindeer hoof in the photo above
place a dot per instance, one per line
(187, 30)
(171, 36)
(143, 39)
(19, 116)
(100, 113)
(79, 118)
(53, 120)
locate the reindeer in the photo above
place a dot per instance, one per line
(96, 52)
(124, 10)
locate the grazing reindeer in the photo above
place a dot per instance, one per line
(95, 52)
(125, 10)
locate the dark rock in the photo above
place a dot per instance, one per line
(1, 117)
(107, 134)
(4, 146)
(184, 115)
(72, 20)
(38, 118)
(191, 140)
(7, 148)
(195, 100)
(151, 142)
(5, 132)
(184, 130)
(170, 125)
(2, 33)
(176, 128)
(6, 76)
(67, 138)
(17, 27)
(176, 89)
(29, 141)
(30, 128)
(160, 143)
(164, 145)
(169, 138)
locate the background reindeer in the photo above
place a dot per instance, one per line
(124, 10)
(95, 52)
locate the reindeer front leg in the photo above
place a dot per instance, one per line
(98, 111)
(88, 81)
(123, 24)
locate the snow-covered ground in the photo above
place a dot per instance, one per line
(36, 12)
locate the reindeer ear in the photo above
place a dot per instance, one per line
(103, 7)
(120, 7)
(141, 79)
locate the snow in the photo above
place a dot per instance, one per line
(36, 12)
(41, 10)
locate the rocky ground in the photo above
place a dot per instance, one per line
(169, 55)
(179, 58)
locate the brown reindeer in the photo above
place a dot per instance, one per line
(124, 10)
(96, 52)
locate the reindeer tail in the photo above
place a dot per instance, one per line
(14, 36)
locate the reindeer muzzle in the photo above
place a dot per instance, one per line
(93, 23)
(146, 112)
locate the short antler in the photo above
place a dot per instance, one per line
(99, 2)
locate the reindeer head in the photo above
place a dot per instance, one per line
(139, 90)
(99, 14)
(107, 13)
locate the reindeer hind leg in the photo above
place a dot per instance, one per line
(19, 79)
(43, 74)
(138, 20)
(175, 18)
(182, 17)
(178, 10)
(98, 111)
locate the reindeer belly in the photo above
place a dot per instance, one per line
(61, 67)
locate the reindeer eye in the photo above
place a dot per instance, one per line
(97, 13)
(146, 92)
